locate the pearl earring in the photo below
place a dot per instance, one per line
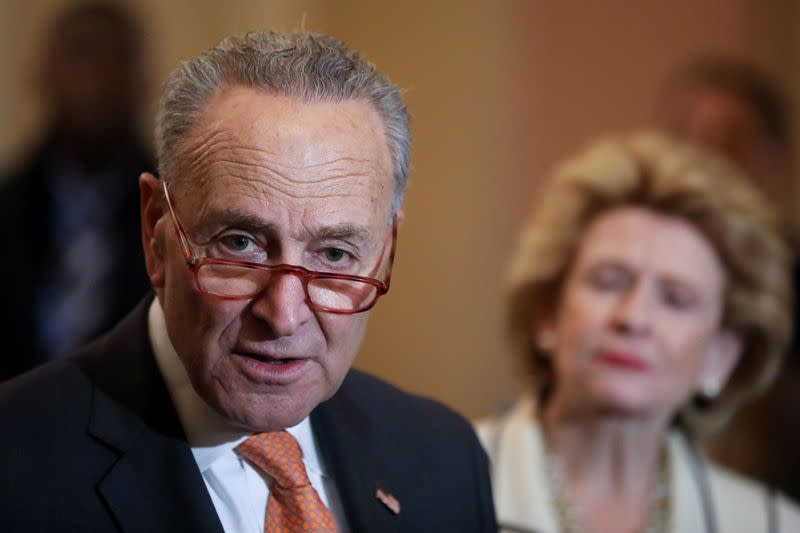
(710, 390)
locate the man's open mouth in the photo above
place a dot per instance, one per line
(276, 361)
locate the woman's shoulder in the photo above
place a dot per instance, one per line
(736, 495)
(514, 444)
(732, 485)
(736, 503)
(518, 418)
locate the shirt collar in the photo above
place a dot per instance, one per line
(209, 434)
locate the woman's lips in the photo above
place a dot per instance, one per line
(624, 360)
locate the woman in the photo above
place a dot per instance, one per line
(650, 297)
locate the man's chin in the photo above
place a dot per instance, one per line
(269, 413)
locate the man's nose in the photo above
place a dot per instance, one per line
(633, 311)
(282, 304)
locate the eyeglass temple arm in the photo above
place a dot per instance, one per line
(190, 258)
(388, 280)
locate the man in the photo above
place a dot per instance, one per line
(69, 211)
(227, 402)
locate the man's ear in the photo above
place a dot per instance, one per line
(720, 360)
(153, 211)
(400, 216)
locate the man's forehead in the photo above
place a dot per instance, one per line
(313, 149)
(277, 206)
(260, 121)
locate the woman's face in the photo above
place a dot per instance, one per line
(637, 329)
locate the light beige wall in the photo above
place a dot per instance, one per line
(439, 331)
(498, 91)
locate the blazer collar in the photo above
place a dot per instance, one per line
(349, 452)
(521, 492)
(688, 512)
(155, 484)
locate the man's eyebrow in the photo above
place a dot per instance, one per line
(240, 219)
(344, 232)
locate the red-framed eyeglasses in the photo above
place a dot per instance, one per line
(330, 292)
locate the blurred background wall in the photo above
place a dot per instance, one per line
(498, 91)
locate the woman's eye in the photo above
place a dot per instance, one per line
(679, 297)
(609, 278)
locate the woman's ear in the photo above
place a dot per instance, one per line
(544, 333)
(719, 362)
(152, 212)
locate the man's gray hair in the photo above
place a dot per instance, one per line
(307, 66)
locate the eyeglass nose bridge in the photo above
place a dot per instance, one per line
(367, 300)
(276, 274)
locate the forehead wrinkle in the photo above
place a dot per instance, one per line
(251, 163)
(278, 187)
(198, 148)
(259, 176)
(332, 174)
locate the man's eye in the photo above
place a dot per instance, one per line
(236, 242)
(334, 255)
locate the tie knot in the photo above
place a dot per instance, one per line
(278, 455)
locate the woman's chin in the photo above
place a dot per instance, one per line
(616, 396)
(634, 402)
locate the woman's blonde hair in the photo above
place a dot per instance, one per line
(674, 178)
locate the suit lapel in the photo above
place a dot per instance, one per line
(154, 485)
(345, 440)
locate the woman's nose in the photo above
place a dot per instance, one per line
(633, 312)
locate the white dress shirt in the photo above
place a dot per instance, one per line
(239, 491)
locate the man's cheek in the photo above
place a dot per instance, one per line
(222, 322)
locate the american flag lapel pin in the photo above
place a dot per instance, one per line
(388, 500)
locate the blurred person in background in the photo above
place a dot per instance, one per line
(738, 111)
(69, 210)
(649, 299)
(741, 113)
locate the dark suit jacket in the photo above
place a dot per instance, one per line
(93, 443)
(29, 249)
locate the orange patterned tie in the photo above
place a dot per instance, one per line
(293, 504)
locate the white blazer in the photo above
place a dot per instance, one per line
(704, 497)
